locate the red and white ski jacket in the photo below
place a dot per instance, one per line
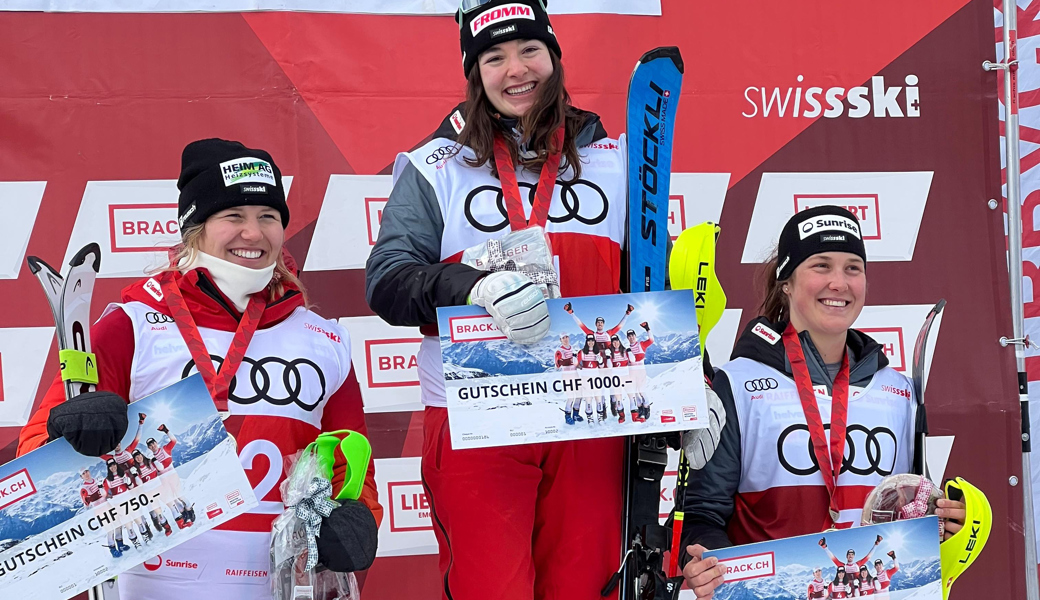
(589, 360)
(137, 357)
(839, 590)
(620, 359)
(867, 587)
(146, 472)
(163, 457)
(125, 456)
(602, 337)
(117, 485)
(884, 576)
(853, 565)
(638, 349)
(817, 589)
(90, 492)
(565, 358)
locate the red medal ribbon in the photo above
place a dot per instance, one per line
(511, 190)
(830, 469)
(217, 383)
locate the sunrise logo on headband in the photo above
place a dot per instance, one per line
(827, 223)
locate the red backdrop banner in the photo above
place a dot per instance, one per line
(786, 105)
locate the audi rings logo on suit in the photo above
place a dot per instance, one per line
(583, 200)
(302, 381)
(860, 441)
(761, 385)
(442, 153)
(157, 318)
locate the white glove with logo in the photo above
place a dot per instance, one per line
(700, 444)
(515, 303)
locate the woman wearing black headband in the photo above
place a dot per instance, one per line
(797, 371)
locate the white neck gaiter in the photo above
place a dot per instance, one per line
(237, 282)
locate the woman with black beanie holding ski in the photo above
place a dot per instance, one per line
(229, 298)
(794, 369)
(515, 153)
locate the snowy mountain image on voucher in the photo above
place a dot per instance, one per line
(211, 478)
(54, 469)
(917, 580)
(500, 357)
(673, 347)
(57, 501)
(198, 440)
(671, 316)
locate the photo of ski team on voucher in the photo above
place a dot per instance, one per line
(77, 520)
(610, 365)
(893, 561)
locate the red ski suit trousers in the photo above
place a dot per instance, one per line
(531, 522)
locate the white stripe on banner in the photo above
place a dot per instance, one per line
(375, 7)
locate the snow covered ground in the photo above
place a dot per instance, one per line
(85, 561)
(533, 418)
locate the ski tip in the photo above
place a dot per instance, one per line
(669, 52)
(941, 304)
(84, 253)
(35, 264)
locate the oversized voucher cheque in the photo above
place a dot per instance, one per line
(69, 521)
(614, 365)
(891, 561)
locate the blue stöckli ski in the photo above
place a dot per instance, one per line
(653, 99)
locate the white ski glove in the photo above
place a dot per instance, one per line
(515, 303)
(700, 444)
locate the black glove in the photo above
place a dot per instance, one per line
(348, 537)
(93, 423)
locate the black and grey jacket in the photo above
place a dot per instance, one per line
(405, 280)
(711, 493)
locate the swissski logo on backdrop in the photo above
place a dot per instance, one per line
(880, 99)
(385, 361)
(348, 224)
(407, 527)
(889, 205)
(138, 218)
